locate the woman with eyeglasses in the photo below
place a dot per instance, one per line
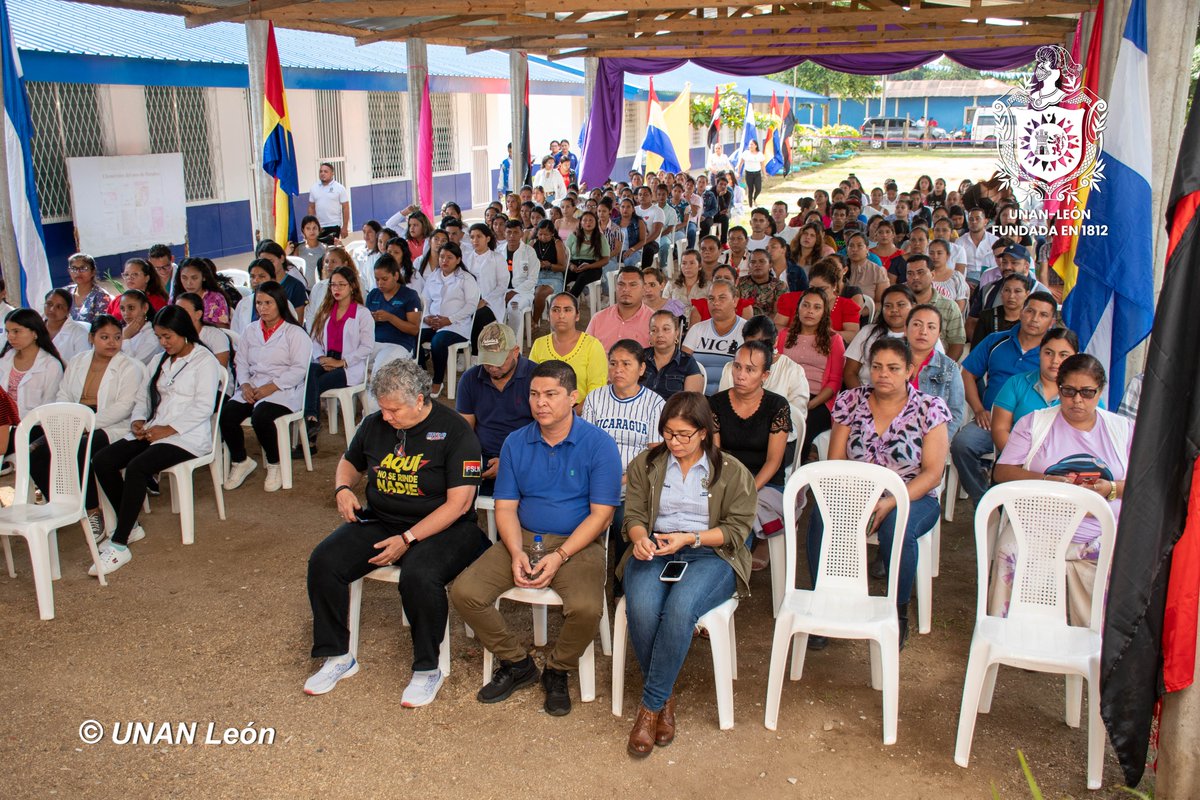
(687, 501)
(1074, 442)
(88, 299)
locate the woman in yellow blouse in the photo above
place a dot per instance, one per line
(566, 342)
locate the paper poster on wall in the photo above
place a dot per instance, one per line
(127, 203)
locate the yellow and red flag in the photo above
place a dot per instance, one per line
(279, 152)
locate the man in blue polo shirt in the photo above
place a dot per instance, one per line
(994, 361)
(560, 479)
(494, 396)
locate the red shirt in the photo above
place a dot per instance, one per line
(157, 303)
(702, 307)
(844, 309)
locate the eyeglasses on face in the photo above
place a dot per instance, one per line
(1088, 392)
(79, 268)
(683, 437)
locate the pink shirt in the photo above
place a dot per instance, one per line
(333, 329)
(609, 328)
(821, 370)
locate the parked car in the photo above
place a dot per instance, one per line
(878, 131)
(984, 128)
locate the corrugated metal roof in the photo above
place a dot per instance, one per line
(57, 26)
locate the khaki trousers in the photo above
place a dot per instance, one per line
(579, 582)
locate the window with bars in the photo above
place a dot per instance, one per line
(329, 132)
(633, 130)
(66, 122)
(386, 113)
(177, 117)
(443, 132)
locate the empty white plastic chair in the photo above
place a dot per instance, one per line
(1035, 634)
(63, 425)
(345, 399)
(839, 605)
(722, 638)
(463, 349)
(388, 575)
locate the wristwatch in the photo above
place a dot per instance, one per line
(409, 538)
(1112, 494)
(696, 542)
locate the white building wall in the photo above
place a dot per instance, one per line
(356, 138)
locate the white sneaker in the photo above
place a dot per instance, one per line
(274, 480)
(137, 534)
(238, 473)
(422, 689)
(333, 670)
(96, 522)
(111, 559)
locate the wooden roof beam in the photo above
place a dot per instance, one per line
(237, 13)
(421, 29)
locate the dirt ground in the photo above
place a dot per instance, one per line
(219, 632)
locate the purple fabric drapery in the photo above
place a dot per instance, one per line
(603, 135)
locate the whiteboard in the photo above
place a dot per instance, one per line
(127, 203)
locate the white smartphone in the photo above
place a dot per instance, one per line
(673, 571)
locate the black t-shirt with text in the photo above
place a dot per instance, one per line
(409, 471)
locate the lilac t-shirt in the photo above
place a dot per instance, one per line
(1065, 442)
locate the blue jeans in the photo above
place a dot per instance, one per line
(662, 615)
(439, 351)
(967, 450)
(922, 514)
(321, 380)
(691, 235)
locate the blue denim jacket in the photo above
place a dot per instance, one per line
(942, 377)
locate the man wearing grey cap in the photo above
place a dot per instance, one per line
(494, 397)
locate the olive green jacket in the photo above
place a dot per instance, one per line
(732, 504)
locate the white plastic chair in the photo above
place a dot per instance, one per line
(839, 606)
(780, 580)
(463, 349)
(283, 437)
(1035, 634)
(388, 575)
(182, 496)
(595, 301)
(722, 638)
(611, 280)
(869, 308)
(63, 424)
(302, 267)
(951, 489)
(487, 504)
(238, 277)
(344, 398)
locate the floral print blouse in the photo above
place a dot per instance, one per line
(95, 304)
(899, 449)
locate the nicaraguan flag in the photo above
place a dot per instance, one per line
(1112, 305)
(658, 140)
(22, 192)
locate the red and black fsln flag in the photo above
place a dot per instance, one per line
(1150, 617)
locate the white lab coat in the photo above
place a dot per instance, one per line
(38, 386)
(72, 339)
(524, 273)
(187, 390)
(358, 340)
(283, 360)
(143, 346)
(491, 274)
(121, 387)
(455, 296)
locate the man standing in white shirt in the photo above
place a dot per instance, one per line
(977, 246)
(329, 202)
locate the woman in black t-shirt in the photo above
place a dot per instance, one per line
(753, 426)
(422, 464)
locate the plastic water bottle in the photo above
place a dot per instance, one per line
(537, 551)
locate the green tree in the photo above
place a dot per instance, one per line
(733, 108)
(814, 78)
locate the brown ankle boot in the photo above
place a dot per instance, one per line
(641, 738)
(664, 732)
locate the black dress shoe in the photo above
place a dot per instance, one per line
(558, 699)
(878, 569)
(818, 642)
(507, 678)
(902, 618)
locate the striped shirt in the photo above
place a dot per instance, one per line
(631, 422)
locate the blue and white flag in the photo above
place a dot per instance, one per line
(658, 141)
(749, 131)
(18, 137)
(1112, 305)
